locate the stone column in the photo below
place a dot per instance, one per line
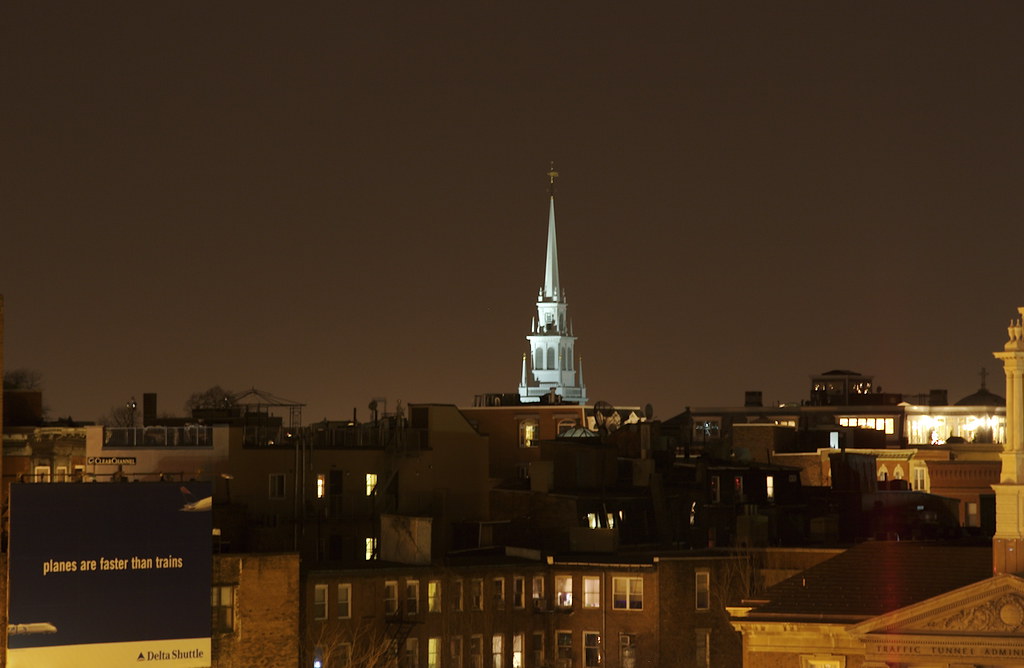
(1008, 542)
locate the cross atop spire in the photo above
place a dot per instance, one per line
(552, 175)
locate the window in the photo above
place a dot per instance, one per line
(591, 649)
(538, 649)
(517, 650)
(371, 549)
(61, 474)
(434, 596)
(344, 601)
(737, 484)
(716, 489)
(769, 486)
(702, 585)
(703, 645)
(499, 593)
(42, 474)
(919, 478)
(222, 601)
(591, 591)
(434, 653)
(627, 650)
(972, 515)
(320, 601)
(371, 483)
(476, 594)
(412, 597)
(276, 490)
(390, 597)
(457, 596)
(455, 648)
(344, 656)
(411, 656)
(476, 651)
(518, 592)
(321, 485)
(537, 587)
(563, 591)
(497, 651)
(563, 644)
(628, 593)
(527, 433)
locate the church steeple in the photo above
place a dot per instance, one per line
(551, 289)
(1008, 541)
(552, 341)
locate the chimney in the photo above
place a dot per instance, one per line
(148, 409)
(752, 399)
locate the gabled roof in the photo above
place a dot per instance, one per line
(874, 578)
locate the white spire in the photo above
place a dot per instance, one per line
(551, 288)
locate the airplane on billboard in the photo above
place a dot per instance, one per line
(33, 628)
(195, 506)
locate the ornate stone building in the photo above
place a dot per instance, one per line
(907, 605)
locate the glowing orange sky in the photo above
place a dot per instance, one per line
(342, 202)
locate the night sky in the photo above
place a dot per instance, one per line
(340, 201)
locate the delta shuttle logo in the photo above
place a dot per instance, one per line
(194, 505)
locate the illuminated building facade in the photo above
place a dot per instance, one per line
(891, 604)
(550, 369)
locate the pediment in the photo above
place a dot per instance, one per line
(994, 606)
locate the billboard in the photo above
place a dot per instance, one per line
(109, 574)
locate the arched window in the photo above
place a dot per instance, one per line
(551, 358)
(898, 473)
(538, 358)
(883, 473)
(566, 424)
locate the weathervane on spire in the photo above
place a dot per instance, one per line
(552, 175)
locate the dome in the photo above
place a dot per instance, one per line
(982, 398)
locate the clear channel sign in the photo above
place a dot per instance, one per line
(109, 574)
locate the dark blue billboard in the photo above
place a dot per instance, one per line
(109, 574)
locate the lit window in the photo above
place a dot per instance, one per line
(276, 490)
(321, 485)
(42, 474)
(592, 521)
(591, 591)
(497, 651)
(434, 653)
(223, 603)
(628, 593)
(527, 433)
(769, 483)
(703, 589)
(412, 597)
(591, 649)
(320, 601)
(563, 591)
(371, 483)
(517, 650)
(371, 549)
(538, 587)
(344, 601)
(434, 596)
(390, 597)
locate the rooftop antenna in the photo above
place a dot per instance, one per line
(552, 175)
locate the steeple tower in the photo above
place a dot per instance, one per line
(552, 341)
